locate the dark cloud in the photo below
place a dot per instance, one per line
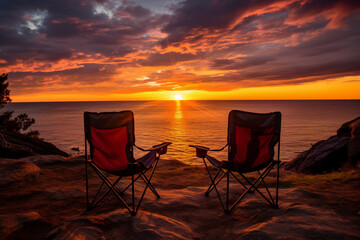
(133, 12)
(220, 45)
(38, 30)
(315, 8)
(167, 59)
(241, 63)
(335, 53)
(89, 73)
(193, 16)
(66, 28)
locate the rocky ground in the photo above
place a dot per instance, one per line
(44, 197)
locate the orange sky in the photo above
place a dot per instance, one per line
(154, 50)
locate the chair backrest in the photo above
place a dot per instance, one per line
(111, 139)
(252, 138)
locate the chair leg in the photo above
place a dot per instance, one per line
(237, 179)
(213, 183)
(134, 209)
(255, 184)
(110, 185)
(267, 190)
(211, 187)
(94, 203)
(97, 193)
(252, 189)
(277, 186)
(87, 186)
(149, 179)
(133, 192)
(262, 180)
(240, 198)
(227, 193)
(153, 170)
(148, 183)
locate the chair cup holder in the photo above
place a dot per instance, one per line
(162, 150)
(201, 153)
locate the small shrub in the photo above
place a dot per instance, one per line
(19, 124)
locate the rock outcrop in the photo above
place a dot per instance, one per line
(17, 170)
(330, 154)
(15, 145)
(14, 222)
(145, 225)
(351, 129)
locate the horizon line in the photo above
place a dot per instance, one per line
(163, 100)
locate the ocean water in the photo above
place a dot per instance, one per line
(191, 122)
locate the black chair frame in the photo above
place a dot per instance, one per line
(135, 170)
(225, 168)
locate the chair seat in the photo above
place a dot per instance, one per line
(234, 166)
(141, 164)
(130, 170)
(214, 161)
(148, 159)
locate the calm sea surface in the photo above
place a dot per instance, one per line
(191, 122)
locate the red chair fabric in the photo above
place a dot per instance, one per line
(252, 146)
(110, 148)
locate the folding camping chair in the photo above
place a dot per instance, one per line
(111, 138)
(252, 138)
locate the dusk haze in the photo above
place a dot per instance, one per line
(179, 119)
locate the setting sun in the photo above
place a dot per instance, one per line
(178, 97)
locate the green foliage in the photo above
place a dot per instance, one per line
(4, 92)
(8, 124)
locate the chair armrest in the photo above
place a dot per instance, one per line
(201, 151)
(218, 150)
(160, 148)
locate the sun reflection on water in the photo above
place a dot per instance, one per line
(178, 111)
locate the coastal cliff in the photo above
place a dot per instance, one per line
(17, 145)
(331, 154)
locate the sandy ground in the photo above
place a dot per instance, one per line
(44, 197)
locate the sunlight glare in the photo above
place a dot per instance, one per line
(178, 97)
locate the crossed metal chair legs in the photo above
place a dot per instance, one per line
(250, 188)
(133, 209)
